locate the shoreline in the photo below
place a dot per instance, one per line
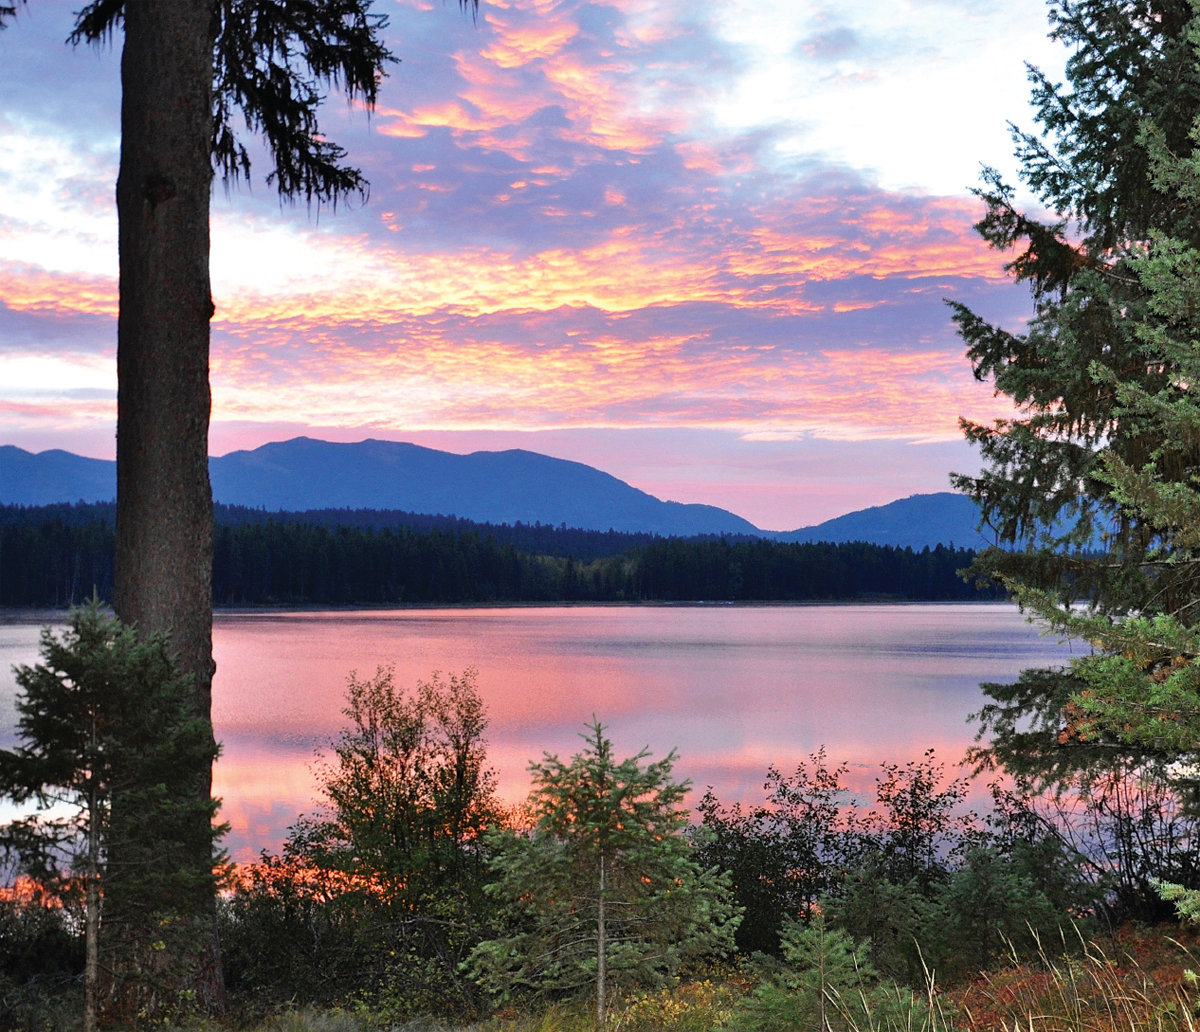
(19, 614)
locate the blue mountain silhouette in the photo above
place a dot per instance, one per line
(496, 487)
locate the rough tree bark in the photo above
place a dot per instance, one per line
(601, 953)
(91, 971)
(163, 567)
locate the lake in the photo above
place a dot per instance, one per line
(733, 688)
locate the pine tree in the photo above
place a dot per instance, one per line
(604, 891)
(1094, 377)
(113, 758)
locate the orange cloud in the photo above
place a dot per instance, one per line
(428, 378)
(29, 288)
(515, 46)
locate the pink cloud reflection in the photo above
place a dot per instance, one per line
(734, 689)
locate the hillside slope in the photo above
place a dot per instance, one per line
(916, 521)
(495, 487)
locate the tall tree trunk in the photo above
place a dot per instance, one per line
(163, 565)
(91, 972)
(601, 952)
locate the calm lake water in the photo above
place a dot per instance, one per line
(733, 688)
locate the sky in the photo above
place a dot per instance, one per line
(704, 247)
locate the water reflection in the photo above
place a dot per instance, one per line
(734, 688)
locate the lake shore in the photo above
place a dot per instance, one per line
(18, 614)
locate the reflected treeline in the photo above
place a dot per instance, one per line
(57, 555)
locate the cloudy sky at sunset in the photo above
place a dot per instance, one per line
(701, 246)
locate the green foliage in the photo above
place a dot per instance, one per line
(41, 961)
(782, 855)
(109, 715)
(115, 763)
(380, 893)
(826, 984)
(896, 919)
(605, 885)
(1097, 476)
(1130, 62)
(410, 794)
(1187, 901)
(997, 901)
(915, 826)
(912, 869)
(1121, 807)
(690, 1007)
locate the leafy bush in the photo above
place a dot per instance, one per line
(783, 855)
(911, 869)
(41, 962)
(379, 896)
(691, 1007)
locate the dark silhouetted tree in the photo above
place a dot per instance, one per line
(191, 70)
(114, 759)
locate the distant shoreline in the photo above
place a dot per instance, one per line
(18, 614)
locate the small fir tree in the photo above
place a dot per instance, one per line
(826, 983)
(112, 753)
(604, 891)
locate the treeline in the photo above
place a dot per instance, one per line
(535, 538)
(57, 559)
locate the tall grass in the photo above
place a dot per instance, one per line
(1139, 982)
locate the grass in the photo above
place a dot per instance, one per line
(1138, 981)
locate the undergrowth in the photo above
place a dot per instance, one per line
(1140, 980)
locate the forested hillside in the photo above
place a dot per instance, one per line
(58, 555)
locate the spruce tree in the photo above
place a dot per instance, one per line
(113, 759)
(1085, 485)
(1141, 683)
(824, 973)
(603, 892)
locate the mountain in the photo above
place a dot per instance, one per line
(496, 487)
(54, 476)
(488, 487)
(916, 521)
(500, 487)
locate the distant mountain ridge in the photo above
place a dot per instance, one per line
(487, 487)
(53, 476)
(916, 521)
(300, 474)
